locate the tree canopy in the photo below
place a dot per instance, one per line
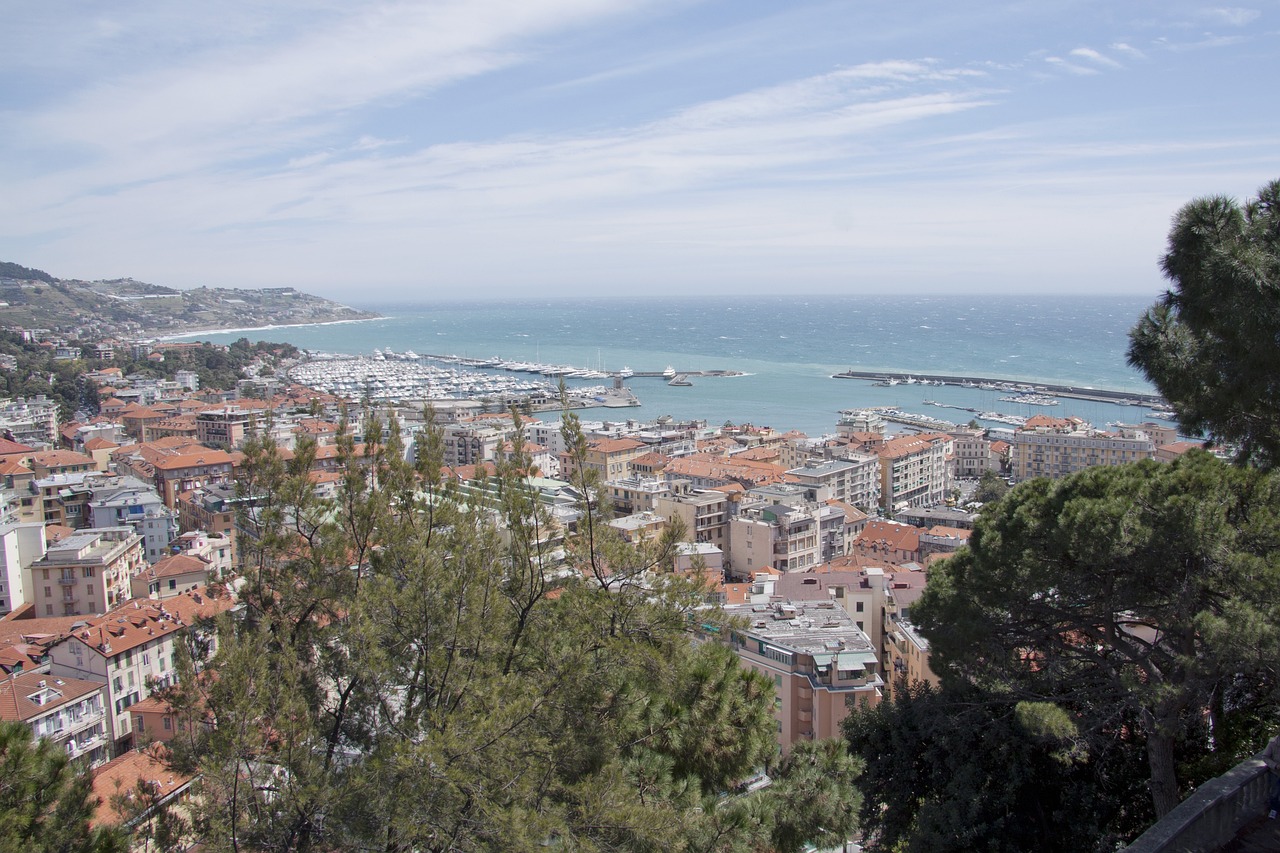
(1137, 596)
(46, 802)
(962, 769)
(1211, 344)
(428, 665)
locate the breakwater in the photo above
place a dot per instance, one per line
(1099, 395)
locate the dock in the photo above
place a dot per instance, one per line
(1097, 395)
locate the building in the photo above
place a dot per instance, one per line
(820, 664)
(906, 651)
(227, 427)
(914, 471)
(174, 575)
(87, 572)
(70, 712)
(705, 514)
(20, 546)
(128, 500)
(609, 457)
(131, 648)
(30, 421)
(854, 480)
(973, 455)
(1056, 447)
(776, 536)
(192, 470)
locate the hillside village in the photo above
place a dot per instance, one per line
(123, 530)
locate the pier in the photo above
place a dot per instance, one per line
(1097, 395)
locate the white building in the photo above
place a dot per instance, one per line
(20, 546)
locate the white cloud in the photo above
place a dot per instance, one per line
(1094, 56)
(1072, 67)
(1128, 50)
(1234, 15)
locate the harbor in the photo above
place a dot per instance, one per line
(404, 378)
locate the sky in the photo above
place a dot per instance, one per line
(382, 151)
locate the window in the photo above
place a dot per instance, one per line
(48, 593)
(167, 723)
(89, 589)
(858, 607)
(88, 571)
(116, 684)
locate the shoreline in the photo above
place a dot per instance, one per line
(269, 327)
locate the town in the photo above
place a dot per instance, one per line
(128, 525)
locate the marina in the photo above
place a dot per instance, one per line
(386, 376)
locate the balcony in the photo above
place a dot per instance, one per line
(67, 581)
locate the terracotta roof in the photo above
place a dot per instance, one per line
(8, 447)
(615, 445)
(60, 458)
(16, 690)
(12, 467)
(120, 777)
(889, 534)
(99, 443)
(177, 564)
(192, 460)
(903, 446)
(140, 620)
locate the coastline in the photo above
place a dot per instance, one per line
(267, 328)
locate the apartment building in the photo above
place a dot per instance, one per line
(906, 651)
(30, 420)
(854, 479)
(972, 455)
(70, 712)
(705, 513)
(87, 572)
(174, 575)
(782, 537)
(131, 648)
(186, 471)
(1053, 447)
(820, 664)
(636, 493)
(129, 501)
(226, 427)
(20, 546)
(914, 471)
(609, 457)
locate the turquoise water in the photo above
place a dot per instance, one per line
(788, 345)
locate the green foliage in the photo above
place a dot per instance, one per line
(991, 488)
(415, 671)
(1210, 343)
(38, 372)
(962, 769)
(1135, 593)
(45, 801)
(8, 269)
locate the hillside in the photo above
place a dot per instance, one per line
(124, 308)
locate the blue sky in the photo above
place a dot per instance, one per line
(374, 151)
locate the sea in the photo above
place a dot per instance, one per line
(789, 347)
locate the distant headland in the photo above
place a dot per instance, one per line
(125, 308)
